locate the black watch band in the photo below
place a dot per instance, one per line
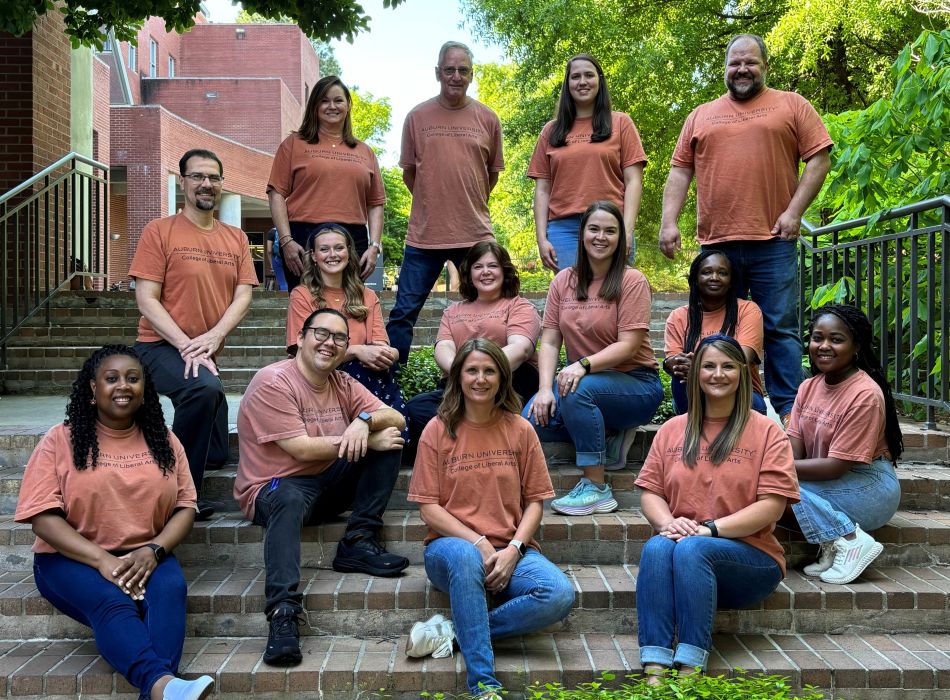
(158, 549)
(585, 363)
(713, 530)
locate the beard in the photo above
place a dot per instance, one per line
(202, 203)
(745, 92)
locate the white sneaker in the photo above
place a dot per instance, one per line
(852, 557)
(180, 689)
(435, 636)
(826, 558)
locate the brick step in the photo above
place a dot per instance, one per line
(226, 602)
(870, 667)
(911, 538)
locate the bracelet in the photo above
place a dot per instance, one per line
(285, 241)
(475, 543)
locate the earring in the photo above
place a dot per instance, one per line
(92, 402)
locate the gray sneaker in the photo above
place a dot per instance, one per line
(435, 637)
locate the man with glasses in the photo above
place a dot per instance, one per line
(451, 157)
(193, 279)
(314, 443)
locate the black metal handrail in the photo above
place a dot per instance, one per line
(54, 228)
(900, 279)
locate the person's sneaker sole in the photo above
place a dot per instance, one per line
(606, 506)
(348, 565)
(284, 658)
(863, 563)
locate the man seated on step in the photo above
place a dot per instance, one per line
(314, 442)
(193, 277)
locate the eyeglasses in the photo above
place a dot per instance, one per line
(198, 178)
(321, 334)
(449, 71)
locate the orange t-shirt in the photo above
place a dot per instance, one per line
(325, 183)
(485, 477)
(844, 420)
(749, 332)
(745, 154)
(198, 270)
(366, 332)
(708, 491)
(280, 403)
(581, 171)
(588, 327)
(495, 320)
(453, 151)
(122, 503)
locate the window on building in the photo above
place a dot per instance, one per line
(171, 66)
(152, 58)
(107, 44)
(132, 62)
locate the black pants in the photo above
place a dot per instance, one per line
(201, 409)
(300, 231)
(284, 507)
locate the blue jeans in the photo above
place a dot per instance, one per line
(603, 400)
(420, 269)
(564, 235)
(141, 639)
(681, 584)
(867, 494)
(768, 272)
(201, 408)
(681, 402)
(538, 595)
(285, 505)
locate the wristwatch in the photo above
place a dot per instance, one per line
(158, 549)
(377, 245)
(711, 524)
(585, 363)
(364, 416)
(520, 546)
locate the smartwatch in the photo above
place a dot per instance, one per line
(711, 524)
(158, 549)
(366, 417)
(520, 546)
(585, 363)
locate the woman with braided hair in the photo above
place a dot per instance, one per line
(846, 438)
(109, 495)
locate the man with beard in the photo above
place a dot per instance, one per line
(193, 286)
(744, 149)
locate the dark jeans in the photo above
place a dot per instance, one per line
(421, 408)
(201, 409)
(284, 506)
(420, 269)
(300, 231)
(141, 639)
(767, 272)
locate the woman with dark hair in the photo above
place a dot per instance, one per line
(846, 439)
(713, 308)
(587, 152)
(109, 496)
(714, 484)
(332, 280)
(600, 310)
(322, 173)
(490, 308)
(480, 480)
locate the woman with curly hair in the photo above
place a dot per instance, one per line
(846, 438)
(109, 496)
(331, 280)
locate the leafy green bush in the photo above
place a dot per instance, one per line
(742, 687)
(420, 374)
(665, 411)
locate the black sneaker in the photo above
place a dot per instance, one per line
(208, 508)
(367, 556)
(283, 640)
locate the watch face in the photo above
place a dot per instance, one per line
(365, 416)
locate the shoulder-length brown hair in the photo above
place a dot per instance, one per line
(584, 273)
(722, 445)
(452, 408)
(566, 111)
(511, 282)
(309, 129)
(353, 305)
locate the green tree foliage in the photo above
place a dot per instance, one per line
(398, 204)
(86, 20)
(661, 59)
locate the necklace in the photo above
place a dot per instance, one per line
(334, 140)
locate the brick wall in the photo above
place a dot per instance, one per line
(258, 112)
(16, 110)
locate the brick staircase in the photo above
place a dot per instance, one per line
(884, 636)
